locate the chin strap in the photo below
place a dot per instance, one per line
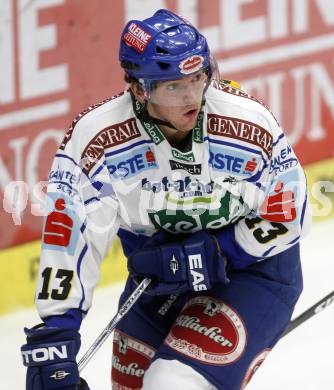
(148, 118)
(143, 114)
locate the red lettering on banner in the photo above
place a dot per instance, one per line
(241, 130)
(42, 84)
(130, 360)
(114, 135)
(58, 226)
(43, 81)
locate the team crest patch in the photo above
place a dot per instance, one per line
(191, 64)
(256, 363)
(210, 331)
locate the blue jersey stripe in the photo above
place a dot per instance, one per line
(303, 211)
(278, 139)
(215, 141)
(81, 256)
(93, 199)
(145, 141)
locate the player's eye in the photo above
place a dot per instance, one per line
(171, 87)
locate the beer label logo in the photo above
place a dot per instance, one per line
(191, 64)
(130, 360)
(210, 331)
(211, 308)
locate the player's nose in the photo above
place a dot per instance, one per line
(191, 95)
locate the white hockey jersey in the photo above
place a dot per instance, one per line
(114, 171)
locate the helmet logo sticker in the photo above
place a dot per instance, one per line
(191, 64)
(137, 38)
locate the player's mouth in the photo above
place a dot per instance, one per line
(191, 114)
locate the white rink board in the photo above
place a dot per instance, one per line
(302, 360)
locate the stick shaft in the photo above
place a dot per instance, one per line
(112, 324)
(310, 312)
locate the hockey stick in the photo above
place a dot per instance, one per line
(315, 309)
(112, 324)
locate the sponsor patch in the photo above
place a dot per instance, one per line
(63, 175)
(116, 134)
(210, 331)
(283, 161)
(65, 181)
(61, 225)
(241, 130)
(186, 186)
(256, 363)
(231, 161)
(137, 38)
(130, 164)
(283, 165)
(130, 360)
(187, 156)
(279, 206)
(191, 64)
(193, 169)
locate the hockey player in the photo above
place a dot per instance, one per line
(209, 200)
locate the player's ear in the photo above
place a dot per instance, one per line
(138, 91)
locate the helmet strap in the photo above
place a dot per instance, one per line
(148, 118)
(142, 113)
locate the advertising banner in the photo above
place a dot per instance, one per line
(60, 56)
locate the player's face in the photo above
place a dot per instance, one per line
(178, 101)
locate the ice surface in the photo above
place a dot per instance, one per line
(303, 360)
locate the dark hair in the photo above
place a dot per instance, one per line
(128, 79)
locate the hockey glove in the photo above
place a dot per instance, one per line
(50, 357)
(192, 264)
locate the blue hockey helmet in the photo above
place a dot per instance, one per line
(162, 47)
